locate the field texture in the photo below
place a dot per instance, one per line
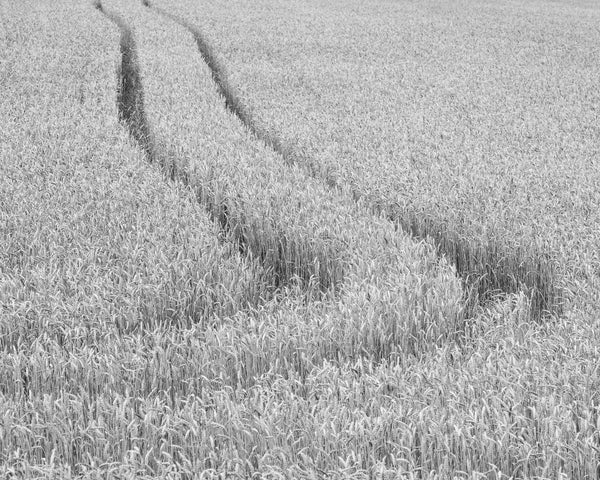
(300, 239)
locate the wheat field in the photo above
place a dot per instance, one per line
(299, 239)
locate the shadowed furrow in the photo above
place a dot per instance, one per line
(487, 269)
(130, 94)
(232, 101)
(282, 257)
(393, 295)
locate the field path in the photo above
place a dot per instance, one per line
(392, 295)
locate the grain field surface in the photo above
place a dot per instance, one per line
(299, 239)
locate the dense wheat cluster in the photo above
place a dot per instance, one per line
(299, 239)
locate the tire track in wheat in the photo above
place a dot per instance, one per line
(487, 269)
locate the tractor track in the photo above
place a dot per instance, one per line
(485, 269)
(131, 112)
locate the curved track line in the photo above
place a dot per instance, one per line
(130, 103)
(485, 269)
(130, 94)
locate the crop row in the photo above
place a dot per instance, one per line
(100, 250)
